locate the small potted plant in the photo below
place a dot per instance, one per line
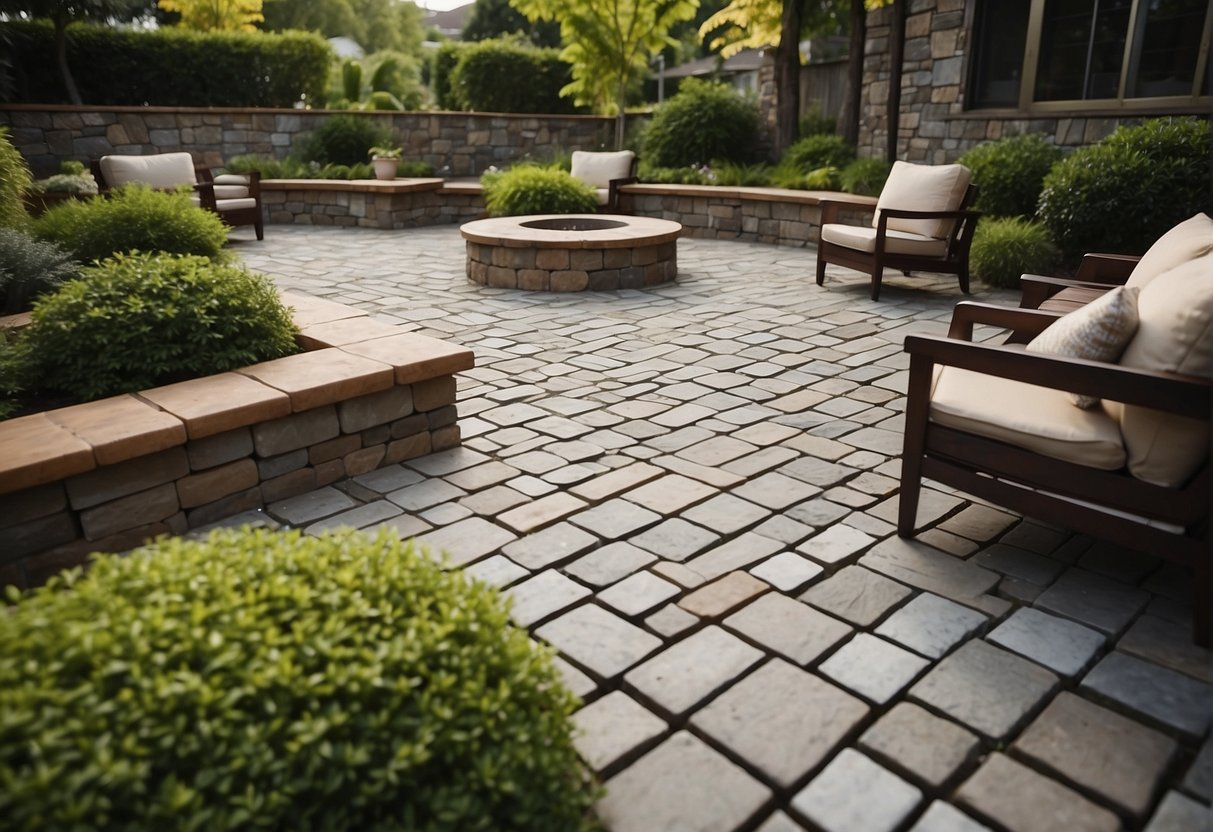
(385, 160)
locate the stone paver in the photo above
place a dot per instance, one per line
(922, 746)
(985, 688)
(693, 669)
(1018, 798)
(1179, 813)
(783, 720)
(1114, 757)
(681, 785)
(757, 419)
(873, 668)
(854, 794)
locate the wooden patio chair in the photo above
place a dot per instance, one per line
(235, 198)
(921, 223)
(605, 173)
(997, 422)
(1099, 273)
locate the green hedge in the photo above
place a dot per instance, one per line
(1010, 173)
(705, 122)
(269, 680)
(504, 76)
(442, 65)
(170, 66)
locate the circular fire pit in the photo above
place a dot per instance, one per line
(571, 252)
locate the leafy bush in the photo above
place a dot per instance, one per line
(477, 78)
(66, 183)
(442, 66)
(813, 122)
(141, 320)
(1122, 194)
(531, 189)
(737, 175)
(1010, 172)
(134, 218)
(689, 175)
(208, 69)
(281, 681)
(823, 150)
(865, 176)
(1005, 248)
(819, 179)
(30, 267)
(14, 182)
(703, 122)
(344, 140)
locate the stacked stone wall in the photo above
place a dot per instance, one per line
(456, 144)
(306, 206)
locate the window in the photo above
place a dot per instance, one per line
(1106, 52)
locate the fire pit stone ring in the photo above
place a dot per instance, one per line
(571, 252)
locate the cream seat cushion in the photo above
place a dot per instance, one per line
(222, 205)
(231, 186)
(598, 169)
(923, 188)
(163, 170)
(1189, 240)
(1174, 334)
(895, 242)
(1039, 419)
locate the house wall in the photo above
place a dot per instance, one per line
(934, 125)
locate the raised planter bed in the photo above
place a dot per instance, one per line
(370, 203)
(111, 474)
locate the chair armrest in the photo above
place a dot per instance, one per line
(206, 194)
(903, 213)
(830, 209)
(1169, 392)
(613, 189)
(1106, 269)
(254, 184)
(1023, 322)
(1037, 288)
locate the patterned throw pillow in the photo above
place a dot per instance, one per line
(1099, 331)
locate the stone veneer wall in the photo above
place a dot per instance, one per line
(109, 475)
(300, 203)
(456, 144)
(765, 215)
(572, 269)
(934, 125)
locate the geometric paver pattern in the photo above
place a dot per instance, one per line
(691, 490)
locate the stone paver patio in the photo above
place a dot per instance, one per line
(690, 492)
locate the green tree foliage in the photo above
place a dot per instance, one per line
(208, 69)
(273, 680)
(493, 18)
(374, 24)
(15, 180)
(62, 13)
(609, 44)
(215, 15)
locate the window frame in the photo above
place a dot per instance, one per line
(1202, 95)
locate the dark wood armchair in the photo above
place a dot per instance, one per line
(235, 198)
(980, 457)
(1096, 275)
(605, 172)
(921, 226)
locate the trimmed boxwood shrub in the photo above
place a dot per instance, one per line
(133, 218)
(442, 65)
(273, 680)
(345, 140)
(15, 180)
(30, 267)
(1005, 248)
(531, 189)
(200, 69)
(137, 321)
(1010, 173)
(1122, 194)
(705, 122)
(476, 81)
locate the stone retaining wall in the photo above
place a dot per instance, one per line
(765, 215)
(112, 474)
(401, 204)
(456, 144)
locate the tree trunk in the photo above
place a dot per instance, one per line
(854, 99)
(897, 48)
(787, 78)
(69, 83)
(621, 121)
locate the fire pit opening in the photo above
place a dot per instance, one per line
(573, 224)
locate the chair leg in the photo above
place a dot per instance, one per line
(918, 406)
(259, 227)
(821, 268)
(877, 277)
(964, 279)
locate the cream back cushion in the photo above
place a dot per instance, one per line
(1175, 334)
(1190, 239)
(164, 170)
(923, 188)
(598, 169)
